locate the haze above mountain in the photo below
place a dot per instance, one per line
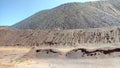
(75, 16)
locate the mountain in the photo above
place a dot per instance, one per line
(74, 16)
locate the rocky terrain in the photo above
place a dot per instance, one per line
(4, 27)
(74, 37)
(77, 53)
(75, 16)
(116, 3)
(95, 53)
(52, 39)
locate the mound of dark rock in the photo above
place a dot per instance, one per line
(97, 53)
(48, 53)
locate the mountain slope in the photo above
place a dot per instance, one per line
(74, 16)
(73, 37)
(116, 3)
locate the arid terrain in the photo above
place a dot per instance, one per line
(73, 48)
(72, 35)
(14, 57)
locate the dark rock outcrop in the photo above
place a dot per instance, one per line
(95, 53)
(78, 53)
(48, 53)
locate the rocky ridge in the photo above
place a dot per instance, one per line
(57, 37)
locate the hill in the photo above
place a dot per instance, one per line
(75, 16)
(70, 38)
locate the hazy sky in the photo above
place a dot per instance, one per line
(13, 11)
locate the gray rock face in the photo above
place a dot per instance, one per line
(74, 16)
(116, 3)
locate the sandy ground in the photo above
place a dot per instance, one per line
(8, 56)
(71, 63)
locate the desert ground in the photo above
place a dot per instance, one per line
(10, 57)
(72, 35)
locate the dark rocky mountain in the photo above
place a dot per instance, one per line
(75, 16)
